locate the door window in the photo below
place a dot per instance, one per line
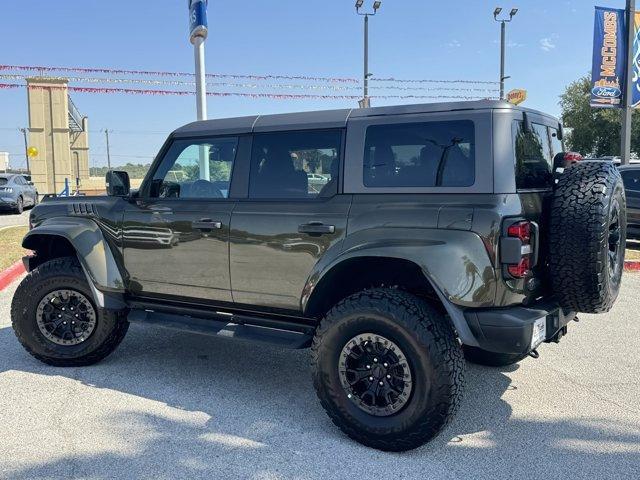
(631, 179)
(301, 165)
(534, 163)
(196, 169)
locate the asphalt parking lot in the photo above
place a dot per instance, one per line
(171, 405)
(8, 219)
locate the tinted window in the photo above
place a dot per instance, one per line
(295, 164)
(556, 143)
(196, 169)
(431, 154)
(3, 181)
(534, 162)
(631, 179)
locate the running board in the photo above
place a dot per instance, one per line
(221, 328)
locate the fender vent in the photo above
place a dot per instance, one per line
(83, 209)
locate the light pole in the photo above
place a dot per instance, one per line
(198, 31)
(26, 149)
(503, 23)
(365, 102)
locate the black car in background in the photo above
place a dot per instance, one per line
(631, 179)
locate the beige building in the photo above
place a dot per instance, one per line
(60, 134)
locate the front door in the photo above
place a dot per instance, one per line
(175, 236)
(291, 219)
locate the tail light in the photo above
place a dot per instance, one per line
(517, 248)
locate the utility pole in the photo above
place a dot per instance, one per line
(627, 106)
(26, 148)
(366, 102)
(503, 33)
(106, 134)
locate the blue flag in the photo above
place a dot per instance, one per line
(609, 58)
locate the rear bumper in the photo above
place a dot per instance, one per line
(8, 203)
(510, 330)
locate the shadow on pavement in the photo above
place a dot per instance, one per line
(247, 411)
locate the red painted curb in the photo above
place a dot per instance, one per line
(632, 266)
(10, 274)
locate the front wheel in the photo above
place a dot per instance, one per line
(388, 369)
(55, 319)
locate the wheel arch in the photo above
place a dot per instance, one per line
(80, 237)
(349, 275)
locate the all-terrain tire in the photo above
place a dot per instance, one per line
(491, 359)
(588, 223)
(432, 352)
(63, 273)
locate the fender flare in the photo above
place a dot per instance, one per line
(93, 251)
(454, 262)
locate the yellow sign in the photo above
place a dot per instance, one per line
(32, 152)
(517, 96)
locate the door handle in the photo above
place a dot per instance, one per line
(206, 224)
(316, 228)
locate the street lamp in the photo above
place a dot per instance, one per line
(503, 22)
(365, 102)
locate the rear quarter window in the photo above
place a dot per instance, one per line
(426, 154)
(533, 156)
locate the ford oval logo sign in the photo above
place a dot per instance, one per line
(606, 92)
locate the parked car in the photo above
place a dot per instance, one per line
(442, 231)
(16, 192)
(631, 179)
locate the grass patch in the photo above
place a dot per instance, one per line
(632, 254)
(10, 246)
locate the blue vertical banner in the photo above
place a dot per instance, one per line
(609, 58)
(635, 99)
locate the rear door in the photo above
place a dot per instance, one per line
(175, 236)
(291, 218)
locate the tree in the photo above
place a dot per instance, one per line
(596, 131)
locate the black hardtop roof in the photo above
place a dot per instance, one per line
(328, 118)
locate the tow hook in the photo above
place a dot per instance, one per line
(534, 353)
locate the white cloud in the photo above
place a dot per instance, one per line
(454, 44)
(515, 44)
(547, 44)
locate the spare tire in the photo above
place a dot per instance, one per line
(587, 236)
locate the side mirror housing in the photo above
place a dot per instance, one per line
(118, 184)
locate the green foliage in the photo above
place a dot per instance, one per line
(596, 131)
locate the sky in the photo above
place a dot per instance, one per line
(549, 46)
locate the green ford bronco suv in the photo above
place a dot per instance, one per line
(393, 241)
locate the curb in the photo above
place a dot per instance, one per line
(10, 274)
(632, 266)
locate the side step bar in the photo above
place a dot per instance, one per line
(241, 330)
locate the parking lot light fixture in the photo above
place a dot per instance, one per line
(365, 102)
(503, 22)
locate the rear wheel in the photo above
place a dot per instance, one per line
(492, 359)
(19, 206)
(388, 369)
(55, 319)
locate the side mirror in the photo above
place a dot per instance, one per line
(118, 184)
(30, 183)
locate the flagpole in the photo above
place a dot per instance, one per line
(627, 108)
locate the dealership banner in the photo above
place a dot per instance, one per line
(635, 99)
(609, 58)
